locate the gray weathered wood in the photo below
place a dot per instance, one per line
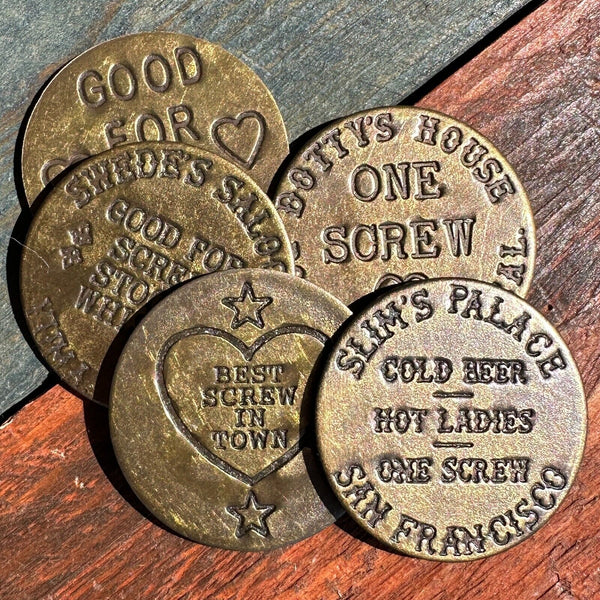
(320, 59)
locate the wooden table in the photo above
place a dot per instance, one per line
(71, 528)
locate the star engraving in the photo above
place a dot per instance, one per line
(70, 256)
(247, 307)
(80, 236)
(251, 516)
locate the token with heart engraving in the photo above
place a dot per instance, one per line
(451, 419)
(395, 194)
(125, 225)
(211, 409)
(153, 86)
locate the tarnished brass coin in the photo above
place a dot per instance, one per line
(395, 194)
(451, 419)
(129, 223)
(147, 87)
(210, 409)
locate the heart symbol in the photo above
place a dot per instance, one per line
(393, 279)
(236, 122)
(247, 353)
(62, 163)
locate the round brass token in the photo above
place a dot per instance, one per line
(211, 409)
(395, 194)
(127, 224)
(153, 87)
(451, 419)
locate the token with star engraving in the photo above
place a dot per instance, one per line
(211, 409)
(397, 194)
(451, 419)
(153, 87)
(127, 224)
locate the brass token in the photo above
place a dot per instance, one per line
(211, 408)
(451, 419)
(129, 223)
(395, 194)
(153, 87)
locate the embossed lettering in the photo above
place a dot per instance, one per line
(414, 179)
(155, 71)
(389, 240)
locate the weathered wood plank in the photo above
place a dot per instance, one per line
(69, 528)
(320, 59)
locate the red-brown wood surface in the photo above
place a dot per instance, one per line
(70, 528)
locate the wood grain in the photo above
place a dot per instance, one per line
(70, 528)
(320, 60)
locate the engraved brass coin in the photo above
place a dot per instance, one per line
(210, 411)
(393, 194)
(129, 223)
(451, 419)
(153, 87)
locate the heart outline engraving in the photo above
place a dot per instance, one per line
(247, 353)
(236, 122)
(65, 163)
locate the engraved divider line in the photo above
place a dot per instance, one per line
(459, 394)
(438, 444)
